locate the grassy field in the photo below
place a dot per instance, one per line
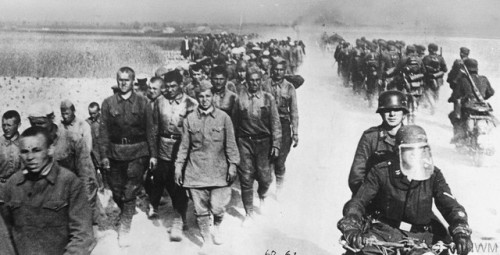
(37, 55)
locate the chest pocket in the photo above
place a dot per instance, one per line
(264, 113)
(55, 213)
(135, 117)
(217, 134)
(51, 214)
(196, 136)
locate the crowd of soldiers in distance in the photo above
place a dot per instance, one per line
(188, 130)
(372, 67)
(227, 47)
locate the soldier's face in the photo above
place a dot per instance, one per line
(34, 152)
(253, 82)
(392, 118)
(279, 72)
(172, 89)
(42, 122)
(206, 68)
(242, 74)
(67, 115)
(205, 99)
(265, 63)
(9, 127)
(154, 90)
(218, 81)
(196, 76)
(125, 82)
(94, 113)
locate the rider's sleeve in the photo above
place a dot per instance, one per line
(368, 190)
(446, 203)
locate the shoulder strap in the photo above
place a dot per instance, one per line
(478, 95)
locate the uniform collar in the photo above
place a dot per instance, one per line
(72, 123)
(13, 139)
(257, 94)
(131, 99)
(210, 111)
(47, 173)
(94, 121)
(277, 83)
(178, 99)
(222, 92)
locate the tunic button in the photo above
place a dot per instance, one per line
(389, 163)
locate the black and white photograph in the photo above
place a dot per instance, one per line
(249, 127)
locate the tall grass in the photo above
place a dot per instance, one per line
(74, 57)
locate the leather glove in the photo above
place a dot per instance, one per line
(354, 238)
(463, 243)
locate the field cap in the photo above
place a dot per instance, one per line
(40, 109)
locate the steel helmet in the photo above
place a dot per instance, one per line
(415, 158)
(411, 134)
(392, 100)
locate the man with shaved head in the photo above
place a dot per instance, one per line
(74, 124)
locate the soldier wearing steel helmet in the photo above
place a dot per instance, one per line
(457, 67)
(404, 188)
(464, 95)
(435, 68)
(377, 142)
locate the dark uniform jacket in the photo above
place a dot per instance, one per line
(373, 146)
(464, 90)
(455, 72)
(50, 215)
(400, 200)
(125, 128)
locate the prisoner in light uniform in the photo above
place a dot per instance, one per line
(169, 112)
(74, 124)
(258, 132)
(209, 153)
(286, 102)
(10, 160)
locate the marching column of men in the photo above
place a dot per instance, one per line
(191, 132)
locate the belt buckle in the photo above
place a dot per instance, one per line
(125, 140)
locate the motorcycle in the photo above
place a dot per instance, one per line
(407, 246)
(478, 125)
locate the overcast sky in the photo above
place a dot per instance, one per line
(453, 13)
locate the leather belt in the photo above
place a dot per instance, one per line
(256, 137)
(128, 140)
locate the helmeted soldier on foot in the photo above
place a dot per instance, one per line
(435, 68)
(356, 66)
(372, 71)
